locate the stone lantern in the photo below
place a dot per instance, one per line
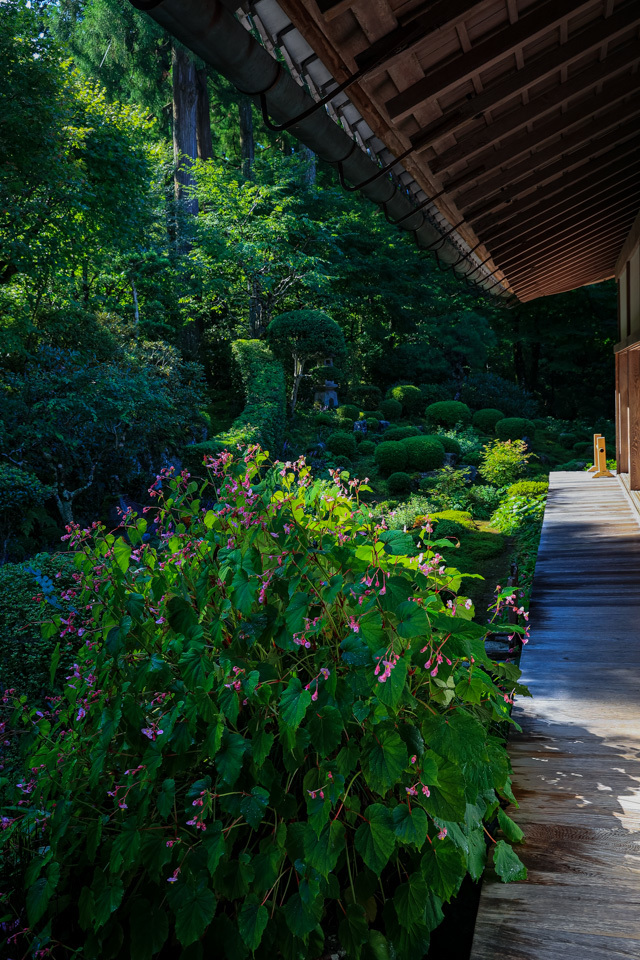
(327, 394)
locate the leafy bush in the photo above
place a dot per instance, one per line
(452, 488)
(390, 456)
(483, 500)
(348, 411)
(372, 424)
(502, 462)
(487, 418)
(22, 499)
(399, 483)
(401, 433)
(410, 513)
(462, 517)
(409, 397)
(263, 419)
(367, 395)
(391, 409)
(482, 390)
(237, 717)
(467, 440)
(423, 453)
(448, 413)
(514, 428)
(302, 336)
(366, 448)
(324, 419)
(346, 425)
(518, 511)
(342, 445)
(528, 488)
(449, 528)
(450, 444)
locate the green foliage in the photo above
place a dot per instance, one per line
(372, 424)
(324, 420)
(391, 455)
(263, 419)
(304, 335)
(514, 428)
(450, 444)
(489, 390)
(487, 418)
(461, 517)
(518, 511)
(452, 488)
(368, 395)
(503, 461)
(348, 411)
(409, 397)
(423, 453)
(448, 413)
(342, 444)
(239, 720)
(400, 433)
(366, 448)
(399, 483)
(525, 488)
(391, 409)
(22, 498)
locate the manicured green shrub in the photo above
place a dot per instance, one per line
(400, 433)
(399, 483)
(410, 398)
(514, 428)
(486, 419)
(423, 453)
(391, 409)
(366, 448)
(449, 528)
(372, 424)
(448, 413)
(482, 390)
(342, 445)
(324, 419)
(366, 394)
(450, 444)
(391, 456)
(346, 425)
(348, 411)
(239, 717)
(583, 449)
(528, 488)
(463, 517)
(503, 461)
(303, 336)
(518, 511)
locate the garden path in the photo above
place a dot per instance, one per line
(577, 761)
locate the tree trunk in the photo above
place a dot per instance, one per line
(247, 147)
(298, 372)
(185, 147)
(309, 175)
(203, 117)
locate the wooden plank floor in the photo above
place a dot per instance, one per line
(577, 761)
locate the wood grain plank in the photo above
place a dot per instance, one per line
(576, 761)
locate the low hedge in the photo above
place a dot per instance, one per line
(515, 428)
(391, 456)
(391, 409)
(450, 444)
(342, 445)
(409, 397)
(485, 420)
(399, 482)
(423, 453)
(348, 411)
(447, 413)
(527, 488)
(401, 433)
(366, 448)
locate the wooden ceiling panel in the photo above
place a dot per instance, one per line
(522, 117)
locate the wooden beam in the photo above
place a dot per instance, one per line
(427, 19)
(570, 255)
(567, 274)
(612, 93)
(550, 177)
(590, 38)
(522, 115)
(629, 246)
(542, 210)
(330, 9)
(634, 419)
(443, 77)
(552, 237)
(554, 290)
(599, 126)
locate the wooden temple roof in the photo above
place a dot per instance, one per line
(519, 119)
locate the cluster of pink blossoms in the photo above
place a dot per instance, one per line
(388, 666)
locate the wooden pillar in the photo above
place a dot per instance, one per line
(617, 409)
(634, 418)
(623, 372)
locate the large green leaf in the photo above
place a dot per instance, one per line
(254, 806)
(107, 896)
(384, 757)
(447, 796)
(374, 839)
(195, 914)
(353, 931)
(322, 852)
(296, 612)
(244, 591)
(507, 863)
(410, 824)
(457, 736)
(510, 829)
(443, 867)
(412, 621)
(229, 757)
(398, 543)
(149, 929)
(390, 692)
(294, 703)
(39, 893)
(325, 727)
(410, 899)
(252, 921)
(302, 917)
(121, 554)
(181, 615)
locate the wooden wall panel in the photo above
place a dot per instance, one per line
(634, 418)
(623, 359)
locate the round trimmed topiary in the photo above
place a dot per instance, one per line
(348, 411)
(391, 409)
(514, 428)
(367, 448)
(346, 425)
(450, 444)
(447, 413)
(423, 453)
(342, 445)
(448, 528)
(410, 398)
(401, 433)
(485, 420)
(391, 455)
(366, 393)
(324, 420)
(372, 423)
(399, 482)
